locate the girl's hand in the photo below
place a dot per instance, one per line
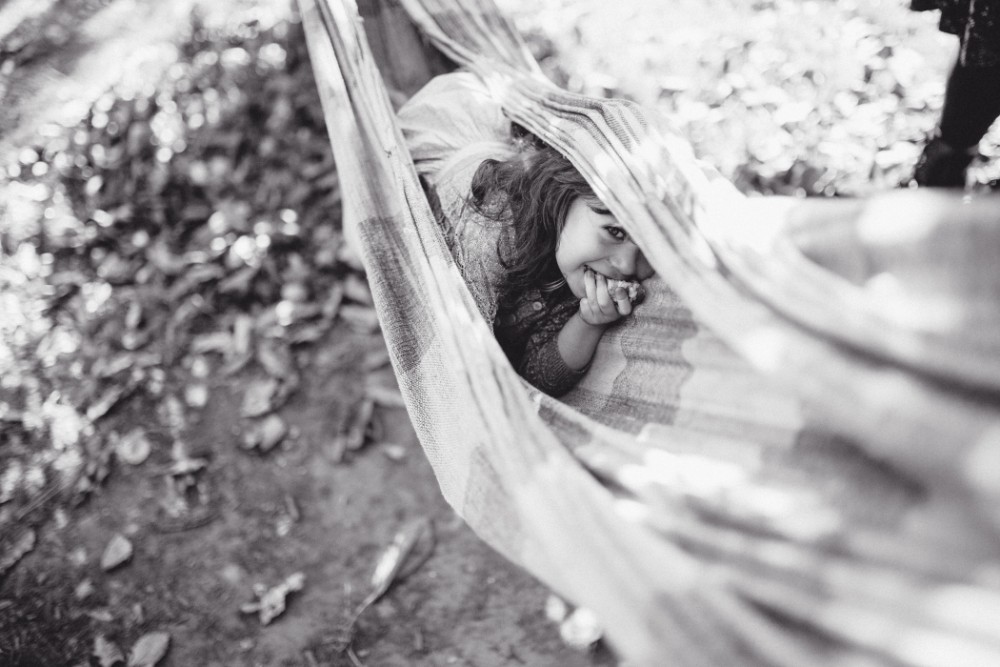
(599, 308)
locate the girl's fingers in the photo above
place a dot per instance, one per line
(621, 300)
(600, 306)
(590, 286)
(604, 300)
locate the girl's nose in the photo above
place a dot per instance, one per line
(643, 269)
(627, 258)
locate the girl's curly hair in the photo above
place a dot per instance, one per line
(535, 188)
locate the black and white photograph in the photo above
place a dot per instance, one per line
(499, 333)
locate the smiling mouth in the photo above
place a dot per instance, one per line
(633, 288)
(606, 277)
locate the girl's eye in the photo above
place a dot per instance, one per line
(617, 232)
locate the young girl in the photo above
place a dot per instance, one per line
(549, 266)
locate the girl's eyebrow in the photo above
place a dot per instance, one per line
(600, 210)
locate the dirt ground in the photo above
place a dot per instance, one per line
(294, 510)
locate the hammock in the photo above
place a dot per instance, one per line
(789, 455)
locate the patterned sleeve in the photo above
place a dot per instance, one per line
(544, 368)
(529, 335)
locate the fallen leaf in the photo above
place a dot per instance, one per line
(347, 255)
(352, 437)
(116, 270)
(242, 335)
(331, 306)
(556, 609)
(108, 400)
(265, 434)
(288, 313)
(134, 447)
(394, 452)
(184, 464)
(580, 629)
(149, 649)
(240, 281)
(308, 333)
(216, 341)
(102, 615)
(391, 562)
(389, 567)
(163, 259)
(118, 551)
(292, 507)
(376, 359)
(276, 359)
(388, 397)
(107, 654)
(193, 278)
(172, 412)
(271, 602)
(356, 289)
(360, 318)
(296, 292)
(24, 544)
(355, 436)
(196, 395)
(133, 315)
(84, 589)
(259, 398)
(138, 615)
(109, 367)
(283, 526)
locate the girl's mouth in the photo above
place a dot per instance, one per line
(606, 277)
(634, 289)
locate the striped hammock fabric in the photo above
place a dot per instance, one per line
(789, 455)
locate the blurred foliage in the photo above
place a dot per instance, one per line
(786, 97)
(182, 231)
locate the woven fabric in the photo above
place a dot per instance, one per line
(789, 455)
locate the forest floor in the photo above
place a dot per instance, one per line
(196, 406)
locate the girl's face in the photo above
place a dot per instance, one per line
(592, 238)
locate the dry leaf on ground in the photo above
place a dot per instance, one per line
(118, 551)
(580, 629)
(196, 395)
(352, 435)
(133, 447)
(356, 289)
(271, 602)
(260, 397)
(265, 434)
(389, 568)
(107, 653)
(388, 397)
(359, 317)
(24, 544)
(276, 359)
(149, 649)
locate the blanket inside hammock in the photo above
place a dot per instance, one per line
(738, 465)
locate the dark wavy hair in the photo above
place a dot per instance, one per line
(535, 188)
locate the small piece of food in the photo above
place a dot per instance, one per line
(635, 291)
